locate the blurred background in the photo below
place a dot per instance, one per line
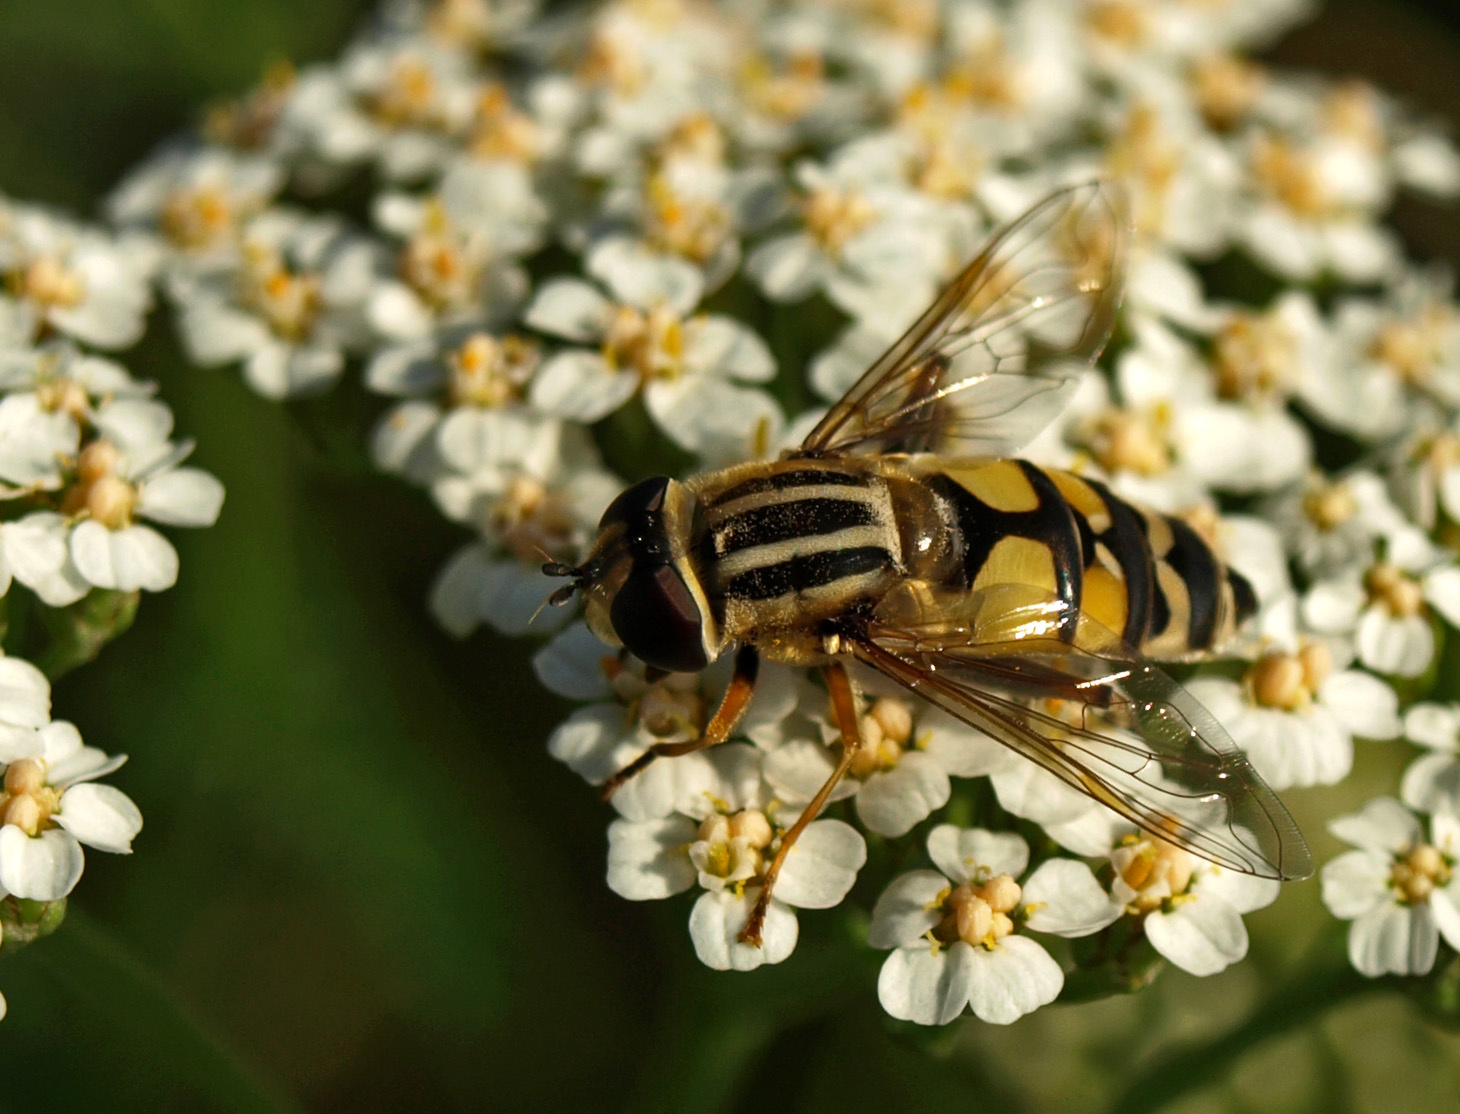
(364, 886)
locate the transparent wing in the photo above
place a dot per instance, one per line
(997, 355)
(1110, 725)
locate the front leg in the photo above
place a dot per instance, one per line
(844, 707)
(732, 707)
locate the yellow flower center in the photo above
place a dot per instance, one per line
(651, 343)
(1130, 441)
(692, 227)
(672, 709)
(502, 131)
(1418, 872)
(489, 372)
(788, 93)
(978, 912)
(1329, 505)
(98, 492)
(1255, 356)
(1291, 176)
(1158, 872)
(27, 801)
(887, 732)
(48, 282)
(247, 124)
(1395, 590)
(1227, 87)
(407, 97)
(435, 265)
(1289, 681)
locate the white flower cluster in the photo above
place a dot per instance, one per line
(621, 234)
(87, 461)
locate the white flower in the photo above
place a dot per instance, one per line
(1432, 781)
(196, 200)
(688, 367)
(1330, 525)
(1296, 717)
(51, 806)
(1191, 909)
(290, 312)
(456, 387)
(956, 930)
(460, 247)
(131, 472)
(1388, 611)
(1400, 891)
(726, 852)
(900, 775)
(71, 278)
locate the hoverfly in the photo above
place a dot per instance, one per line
(905, 535)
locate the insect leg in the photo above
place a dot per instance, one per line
(732, 706)
(844, 706)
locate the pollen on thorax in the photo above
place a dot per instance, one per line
(1418, 872)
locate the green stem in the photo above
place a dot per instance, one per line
(99, 970)
(1194, 1066)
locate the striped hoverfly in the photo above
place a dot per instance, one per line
(904, 534)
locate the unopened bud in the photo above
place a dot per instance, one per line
(1001, 892)
(752, 826)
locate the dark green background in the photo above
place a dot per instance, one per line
(364, 886)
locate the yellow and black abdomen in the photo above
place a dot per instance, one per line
(1146, 578)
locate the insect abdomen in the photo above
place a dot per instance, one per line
(1146, 578)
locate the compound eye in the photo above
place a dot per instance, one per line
(659, 621)
(636, 507)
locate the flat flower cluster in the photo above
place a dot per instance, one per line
(89, 469)
(667, 234)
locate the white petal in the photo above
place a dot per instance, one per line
(100, 816)
(569, 308)
(1015, 978)
(25, 694)
(1066, 899)
(181, 497)
(1433, 725)
(787, 268)
(1431, 782)
(717, 920)
(126, 559)
(821, 866)
(966, 853)
(907, 909)
(650, 860)
(723, 346)
(1442, 590)
(1363, 703)
(961, 750)
(1356, 883)
(1445, 905)
(1402, 646)
(579, 386)
(1245, 893)
(1394, 940)
(798, 768)
(1382, 825)
(667, 785)
(642, 278)
(43, 868)
(592, 744)
(1203, 936)
(571, 665)
(891, 802)
(926, 986)
(1029, 791)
